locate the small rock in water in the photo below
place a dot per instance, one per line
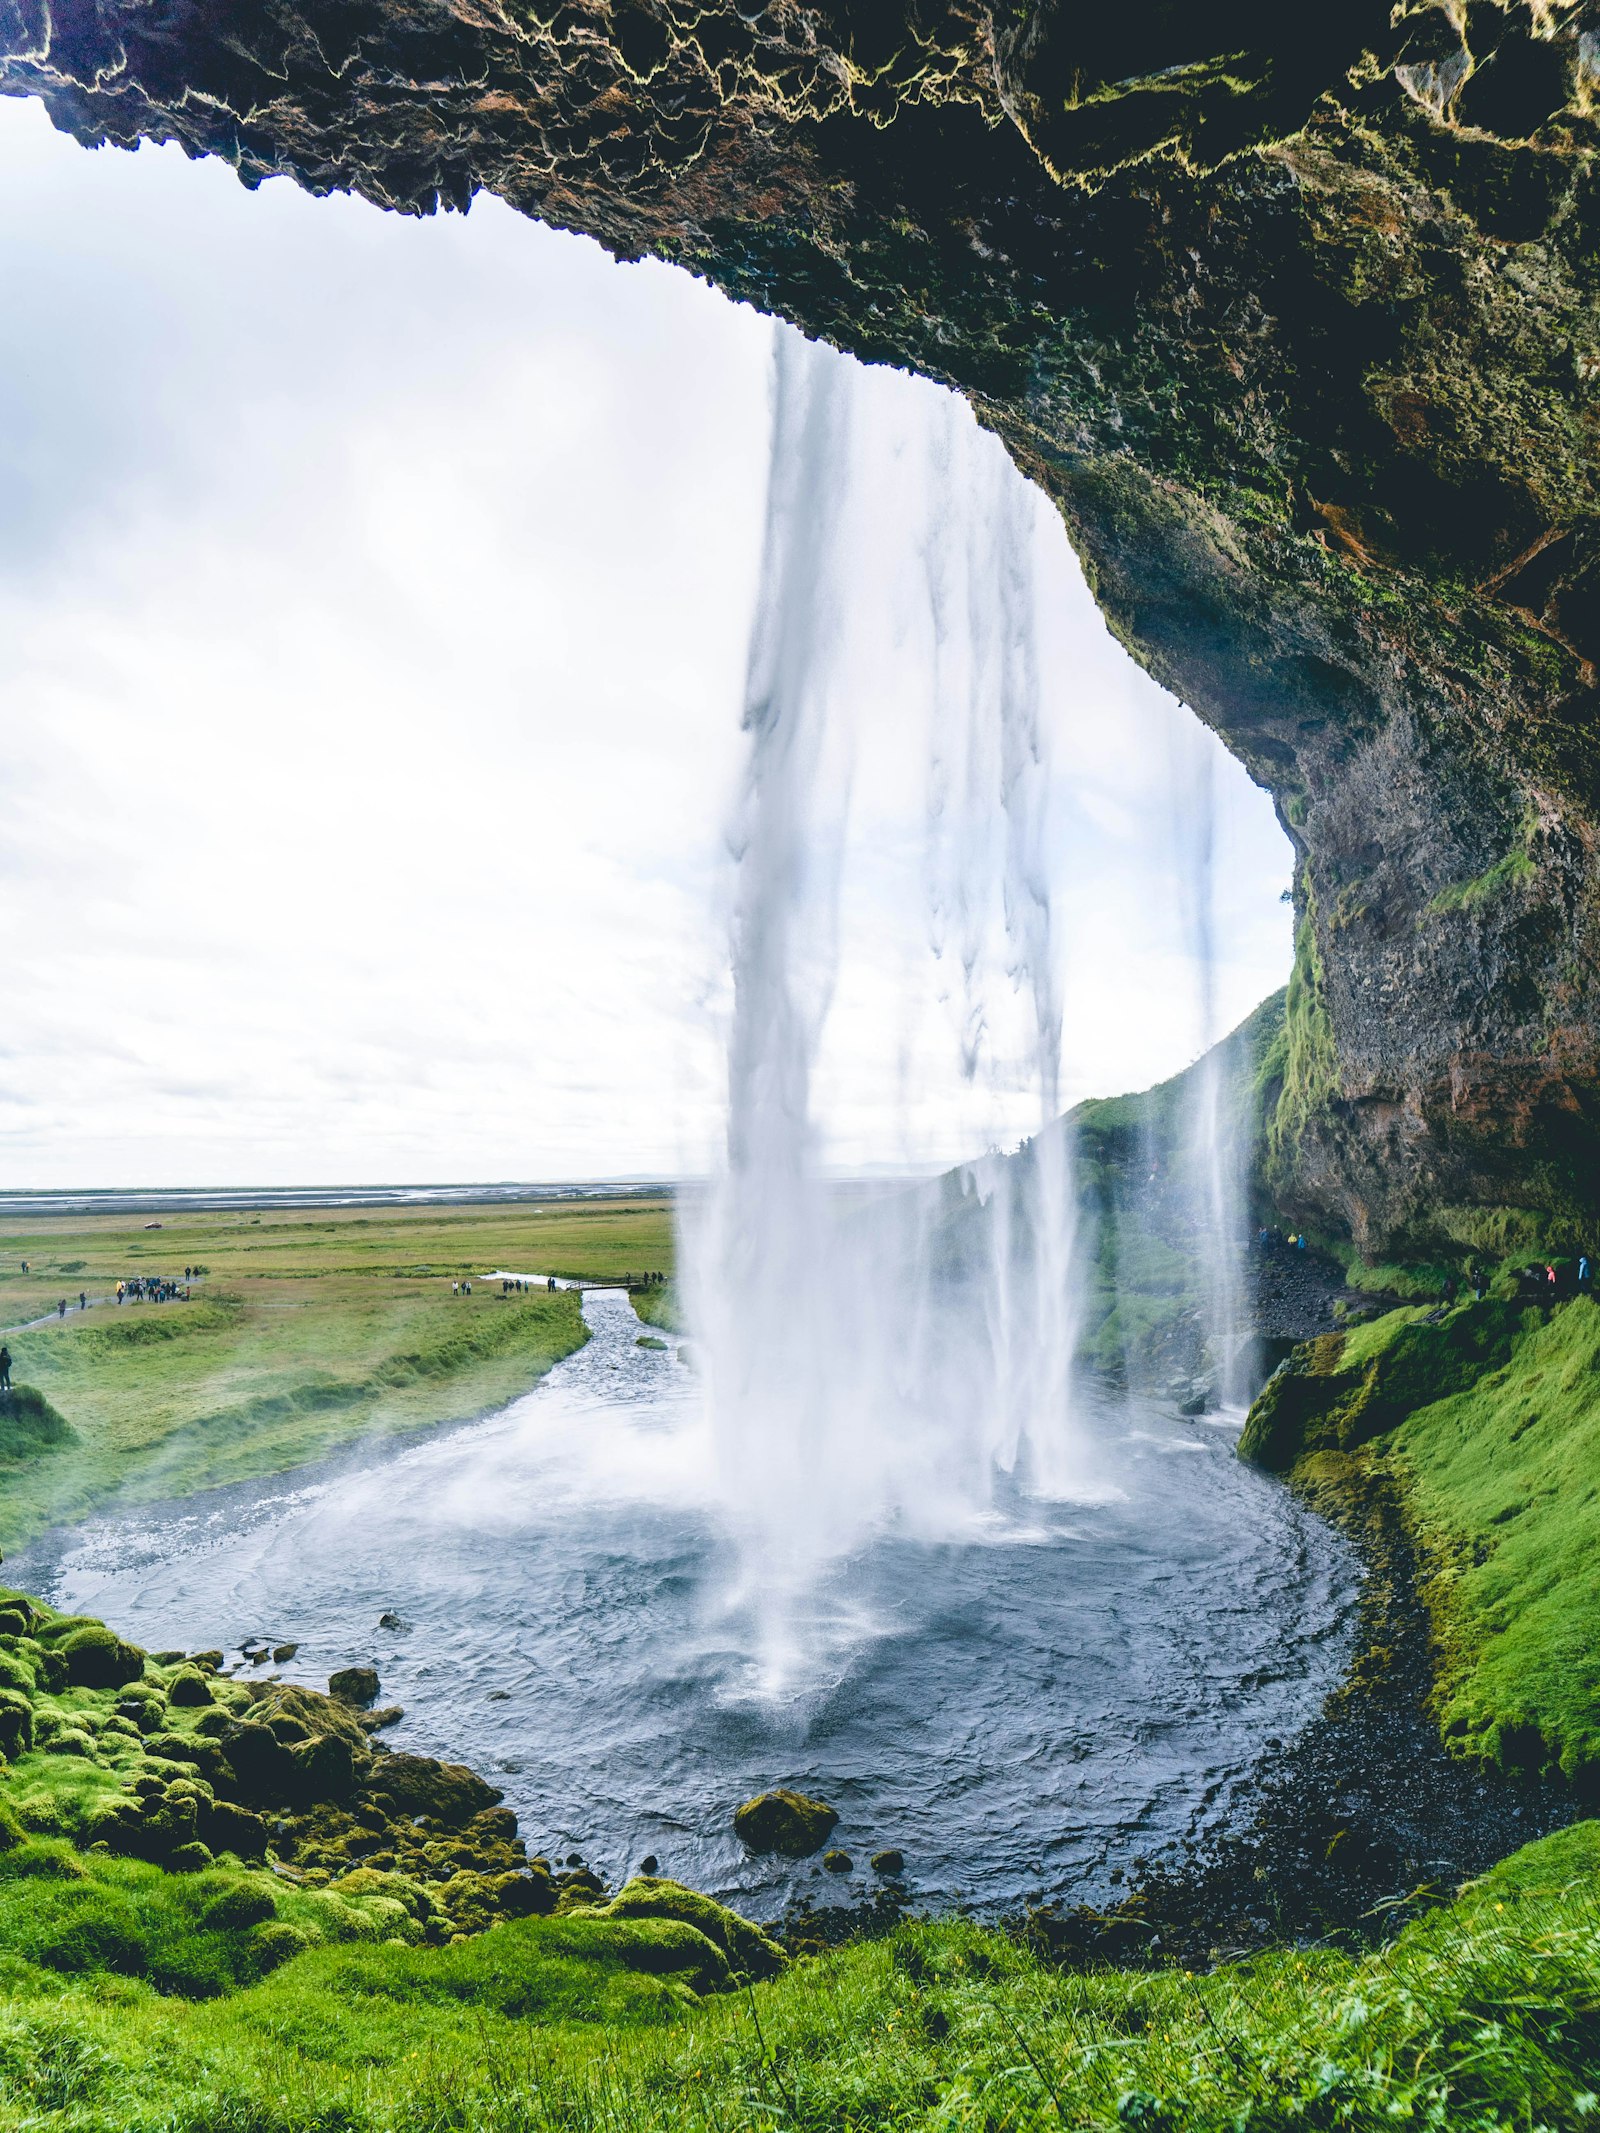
(390, 1715)
(499, 1696)
(282, 1652)
(649, 1864)
(208, 1662)
(838, 1862)
(785, 1822)
(888, 1862)
(573, 1859)
(391, 1620)
(356, 1685)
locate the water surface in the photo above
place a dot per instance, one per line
(1021, 1705)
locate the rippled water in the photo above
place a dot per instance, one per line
(1019, 1706)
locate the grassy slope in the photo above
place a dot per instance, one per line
(1480, 2015)
(1505, 1482)
(308, 1331)
(660, 1307)
(1489, 1418)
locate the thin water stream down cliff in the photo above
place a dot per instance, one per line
(1021, 1707)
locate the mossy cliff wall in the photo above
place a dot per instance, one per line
(1293, 311)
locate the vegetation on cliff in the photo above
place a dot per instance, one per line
(1487, 1418)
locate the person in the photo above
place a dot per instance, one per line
(1585, 1274)
(83, 1299)
(61, 1308)
(551, 1284)
(5, 1369)
(455, 1288)
(1550, 1278)
(1480, 1281)
(119, 1292)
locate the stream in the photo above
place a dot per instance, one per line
(1022, 1709)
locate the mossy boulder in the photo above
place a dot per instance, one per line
(838, 1862)
(323, 1768)
(16, 1724)
(97, 1658)
(189, 1688)
(231, 1828)
(750, 1952)
(355, 1685)
(450, 1793)
(785, 1822)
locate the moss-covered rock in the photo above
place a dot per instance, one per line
(355, 1685)
(750, 1952)
(96, 1658)
(785, 1822)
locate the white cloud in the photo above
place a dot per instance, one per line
(373, 603)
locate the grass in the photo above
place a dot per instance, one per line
(1488, 1417)
(308, 1331)
(1485, 2013)
(1504, 1480)
(660, 1307)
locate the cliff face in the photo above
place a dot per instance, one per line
(1294, 312)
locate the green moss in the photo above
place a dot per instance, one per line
(1305, 1062)
(1515, 868)
(1489, 1419)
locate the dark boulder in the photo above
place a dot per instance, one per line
(889, 1863)
(97, 1658)
(785, 1822)
(448, 1792)
(838, 1862)
(355, 1685)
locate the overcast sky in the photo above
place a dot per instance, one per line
(374, 600)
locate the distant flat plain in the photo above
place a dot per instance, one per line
(308, 1330)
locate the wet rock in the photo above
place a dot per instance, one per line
(649, 1864)
(838, 1862)
(355, 1685)
(390, 1620)
(283, 1653)
(208, 1662)
(785, 1822)
(889, 1862)
(378, 1721)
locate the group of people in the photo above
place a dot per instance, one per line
(1550, 1281)
(152, 1288)
(1273, 1240)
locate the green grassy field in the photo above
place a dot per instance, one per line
(307, 1331)
(1484, 2014)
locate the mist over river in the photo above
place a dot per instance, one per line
(1020, 1707)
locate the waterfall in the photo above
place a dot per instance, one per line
(1213, 1136)
(880, 1361)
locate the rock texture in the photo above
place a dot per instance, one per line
(1292, 311)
